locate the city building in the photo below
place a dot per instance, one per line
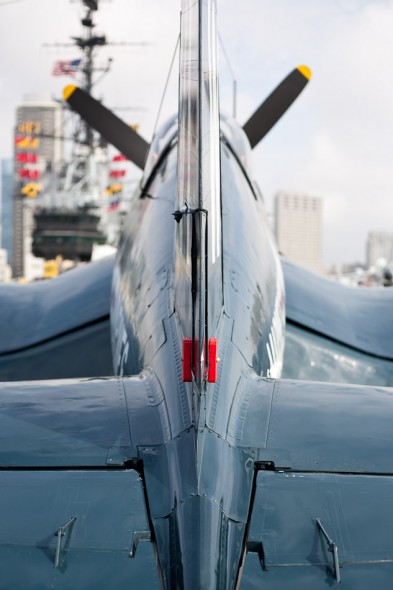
(379, 247)
(38, 148)
(5, 269)
(298, 228)
(6, 229)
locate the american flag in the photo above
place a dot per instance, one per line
(66, 68)
(113, 205)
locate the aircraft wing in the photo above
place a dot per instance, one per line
(72, 495)
(57, 328)
(335, 332)
(359, 318)
(324, 454)
(74, 508)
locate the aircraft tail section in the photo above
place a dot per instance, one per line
(198, 184)
(198, 174)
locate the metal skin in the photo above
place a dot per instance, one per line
(214, 476)
(187, 284)
(359, 318)
(146, 480)
(205, 480)
(48, 327)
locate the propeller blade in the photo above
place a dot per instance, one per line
(112, 129)
(272, 109)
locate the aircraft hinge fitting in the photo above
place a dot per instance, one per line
(257, 547)
(265, 466)
(63, 531)
(332, 547)
(136, 537)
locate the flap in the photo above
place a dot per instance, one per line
(75, 529)
(301, 521)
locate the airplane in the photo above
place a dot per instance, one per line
(193, 464)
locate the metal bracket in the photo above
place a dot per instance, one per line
(257, 547)
(117, 456)
(136, 537)
(60, 533)
(332, 547)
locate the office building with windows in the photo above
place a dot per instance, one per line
(298, 228)
(6, 228)
(38, 147)
(379, 247)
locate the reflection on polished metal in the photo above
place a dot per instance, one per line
(226, 475)
(198, 184)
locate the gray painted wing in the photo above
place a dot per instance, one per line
(94, 550)
(313, 357)
(70, 449)
(32, 314)
(358, 318)
(324, 453)
(58, 328)
(354, 510)
(72, 503)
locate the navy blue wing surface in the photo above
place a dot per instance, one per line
(75, 530)
(58, 328)
(287, 548)
(72, 495)
(321, 504)
(358, 318)
(313, 357)
(75, 495)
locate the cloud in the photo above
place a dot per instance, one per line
(336, 141)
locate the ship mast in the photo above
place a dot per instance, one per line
(78, 217)
(87, 44)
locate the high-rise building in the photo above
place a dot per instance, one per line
(6, 206)
(38, 148)
(379, 246)
(5, 269)
(298, 228)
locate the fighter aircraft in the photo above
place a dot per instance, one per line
(195, 466)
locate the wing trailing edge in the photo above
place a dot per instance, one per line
(322, 485)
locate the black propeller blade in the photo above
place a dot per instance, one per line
(113, 129)
(272, 109)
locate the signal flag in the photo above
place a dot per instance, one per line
(26, 142)
(117, 173)
(27, 158)
(114, 188)
(67, 67)
(28, 173)
(31, 190)
(113, 205)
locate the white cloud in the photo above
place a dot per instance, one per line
(337, 139)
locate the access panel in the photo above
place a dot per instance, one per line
(75, 529)
(312, 530)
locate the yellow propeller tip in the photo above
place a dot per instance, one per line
(68, 90)
(305, 70)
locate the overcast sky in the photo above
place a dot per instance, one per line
(336, 141)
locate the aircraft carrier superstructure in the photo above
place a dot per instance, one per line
(75, 209)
